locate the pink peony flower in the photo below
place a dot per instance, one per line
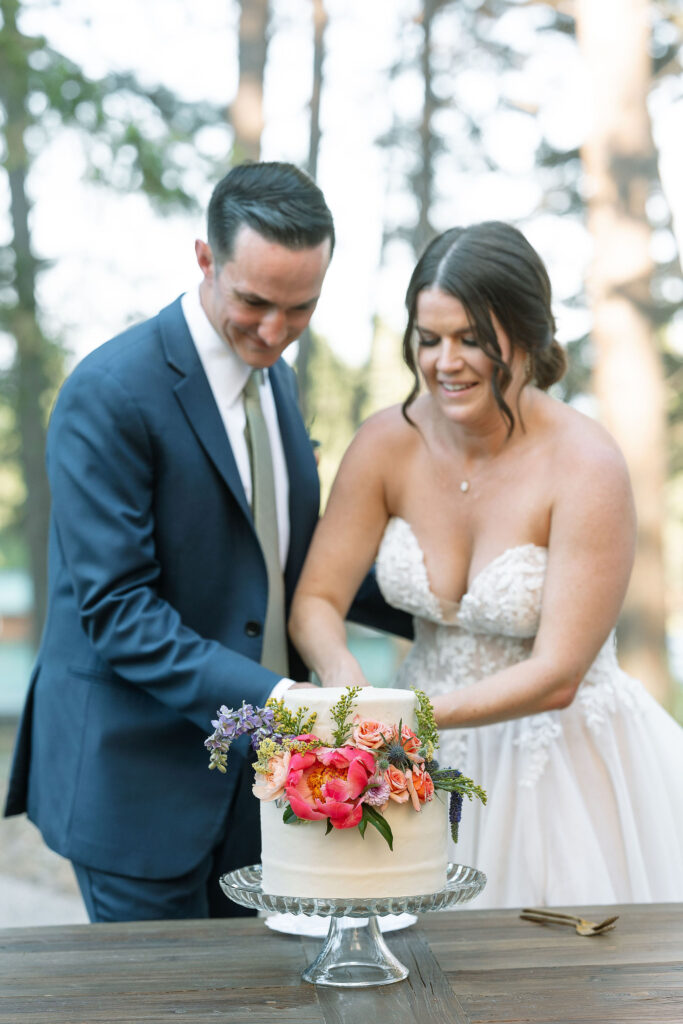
(271, 785)
(370, 735)
(398, 784)
(328, 783)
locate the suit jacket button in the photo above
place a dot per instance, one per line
(253, 628)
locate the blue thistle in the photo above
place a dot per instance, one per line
(396, 755)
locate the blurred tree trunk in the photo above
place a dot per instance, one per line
(246, 113)
(422, 179)
(620, 164)
(30, 377)
(306, 342)
(388, 380)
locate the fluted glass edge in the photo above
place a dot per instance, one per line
(243, 886)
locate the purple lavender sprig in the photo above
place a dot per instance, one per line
(455, 813)
(233, 723)
(459, 786)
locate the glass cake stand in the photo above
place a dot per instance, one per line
(353, 957)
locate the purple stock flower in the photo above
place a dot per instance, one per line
(233, 723)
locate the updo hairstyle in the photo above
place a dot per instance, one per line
(491, 268)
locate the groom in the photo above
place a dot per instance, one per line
(166, 598)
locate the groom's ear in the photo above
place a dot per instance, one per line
(205, 259)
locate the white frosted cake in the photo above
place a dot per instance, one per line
(300, 859)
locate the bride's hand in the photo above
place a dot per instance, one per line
(345, 671)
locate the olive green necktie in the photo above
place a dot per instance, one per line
(274, 652)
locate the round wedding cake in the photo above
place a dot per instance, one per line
(310, 858)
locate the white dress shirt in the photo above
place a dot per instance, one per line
(227, 375)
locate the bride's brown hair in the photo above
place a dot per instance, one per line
(491, 268)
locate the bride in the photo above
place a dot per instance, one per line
(503, 521)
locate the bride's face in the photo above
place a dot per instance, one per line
(455, 369)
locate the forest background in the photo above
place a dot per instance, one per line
(564, 117)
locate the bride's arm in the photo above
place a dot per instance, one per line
(343, 549)
(590, 554)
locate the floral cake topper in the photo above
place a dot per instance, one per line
(350, 783)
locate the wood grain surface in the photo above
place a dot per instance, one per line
(466, 967)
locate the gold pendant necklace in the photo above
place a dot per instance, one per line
(464, 486)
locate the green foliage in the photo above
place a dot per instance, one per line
(288, 723)
(270, 748)
(134, 138)
(340, 712)
(426, 723)
(454, 782)
(290, 818)
(371, 816)
(335, 396)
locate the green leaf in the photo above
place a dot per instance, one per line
(329, 827)
(288, 816)
(373, 817)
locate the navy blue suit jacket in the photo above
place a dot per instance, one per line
(157, 590)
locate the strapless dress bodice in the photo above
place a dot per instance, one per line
(504, 598)
(492, 627)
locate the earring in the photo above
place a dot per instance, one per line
(528, 366)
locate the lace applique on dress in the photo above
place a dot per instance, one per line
(505, 597)
(402, 573)
(492, 628)
(535, 737)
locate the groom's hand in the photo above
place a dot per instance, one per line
(302, 686)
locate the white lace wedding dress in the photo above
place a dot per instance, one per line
(585, 805)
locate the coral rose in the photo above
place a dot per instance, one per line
(271, 784)
(328, 783)
(370, 735)
(398, 784)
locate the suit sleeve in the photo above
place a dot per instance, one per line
(101, 465)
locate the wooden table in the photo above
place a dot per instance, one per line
(465, 966)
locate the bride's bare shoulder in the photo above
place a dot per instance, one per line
(388, 429)
(583, 450)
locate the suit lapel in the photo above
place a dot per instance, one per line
(196, 399)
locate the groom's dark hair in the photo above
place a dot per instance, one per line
(277, 200)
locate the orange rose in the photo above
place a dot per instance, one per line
(410, 743)
(398, 784)
(420, 785)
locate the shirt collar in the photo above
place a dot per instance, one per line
(215, 353)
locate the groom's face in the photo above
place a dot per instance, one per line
(261, 299)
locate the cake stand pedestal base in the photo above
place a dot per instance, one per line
(355, 957)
